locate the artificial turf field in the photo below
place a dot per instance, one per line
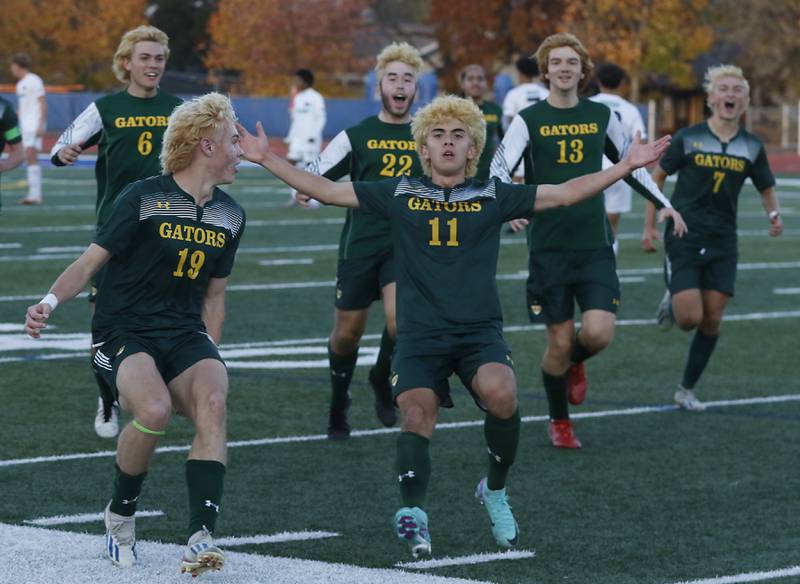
(656, 495)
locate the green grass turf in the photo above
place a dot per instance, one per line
(656, 497)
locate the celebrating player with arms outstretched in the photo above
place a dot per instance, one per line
(446, 237)
(128, 126)
(713, 160)
(571, 258)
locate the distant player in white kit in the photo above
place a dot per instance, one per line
(32, 116)
(308, 121)
(618, 196)
(528, 92)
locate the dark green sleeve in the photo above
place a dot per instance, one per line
(673, 158)
(760, 172)
(515, 200)
(224, 267)
(9, 127)
(118, 233)
(376, 196)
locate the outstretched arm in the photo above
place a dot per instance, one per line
(67, 286)
(255, 148)
(583, 187)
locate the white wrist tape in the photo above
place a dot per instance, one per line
(51, 300)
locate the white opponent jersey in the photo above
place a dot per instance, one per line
(29, 89)
(631, 120)
(308, 121)
(521, 97)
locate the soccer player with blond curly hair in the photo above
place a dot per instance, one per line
(446, 235)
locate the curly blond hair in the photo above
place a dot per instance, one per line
(564, 39)
(450, 107)
(714, 74)
(188, 124)
(129, 40)
(402, 52)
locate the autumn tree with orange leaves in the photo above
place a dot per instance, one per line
(69, 41)
(490, 33)
(264, 42)
(645, 37)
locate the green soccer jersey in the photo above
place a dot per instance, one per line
(129, 131)
(371, 150)
(9, 126)
(566, 143)
(164, 250)
(446, 242)
(492, 114)
(711, 175)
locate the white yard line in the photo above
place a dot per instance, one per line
(747, 577)
(786, 291)
(283, 537)
(469, 560)
(82, 518)
(79, 560)
(440, 427)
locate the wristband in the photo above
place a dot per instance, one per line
(773, 215)
(51, 300)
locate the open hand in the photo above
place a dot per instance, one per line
(641, 154)
(254, 147)
(679, 228)
(69, 153)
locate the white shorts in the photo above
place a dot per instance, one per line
(618, 198)
(305, 155)
(31, 140)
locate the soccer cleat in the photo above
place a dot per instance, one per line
(30, 201)
(338, 428)
(686, 399)
(106, 421)
(562, 435)
(411, 526)
(504, 527)
(201, 554)
(384, 403)
(664, 316)
(120, 538)
(576, 384)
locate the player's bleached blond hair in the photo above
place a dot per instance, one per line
(129, 40)
(402, 52)
(714, 74)
(190, 122)
(564, 39)
(450, 107)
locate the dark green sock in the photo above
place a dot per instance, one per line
(699, 354)
(413, 465)
(126, 492)
(380, 372)
(502, 437)
(579, 352)
(204, 479)
(556, 388)
(341, 368)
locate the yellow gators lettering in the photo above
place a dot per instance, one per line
(200, 235)
(418, 204)
(569, 129)
(719, 161)
(391, 144)
(141, 121)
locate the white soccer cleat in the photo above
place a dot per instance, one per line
(201, 554)
(686, 399)
(120, 538)
(106, 426)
